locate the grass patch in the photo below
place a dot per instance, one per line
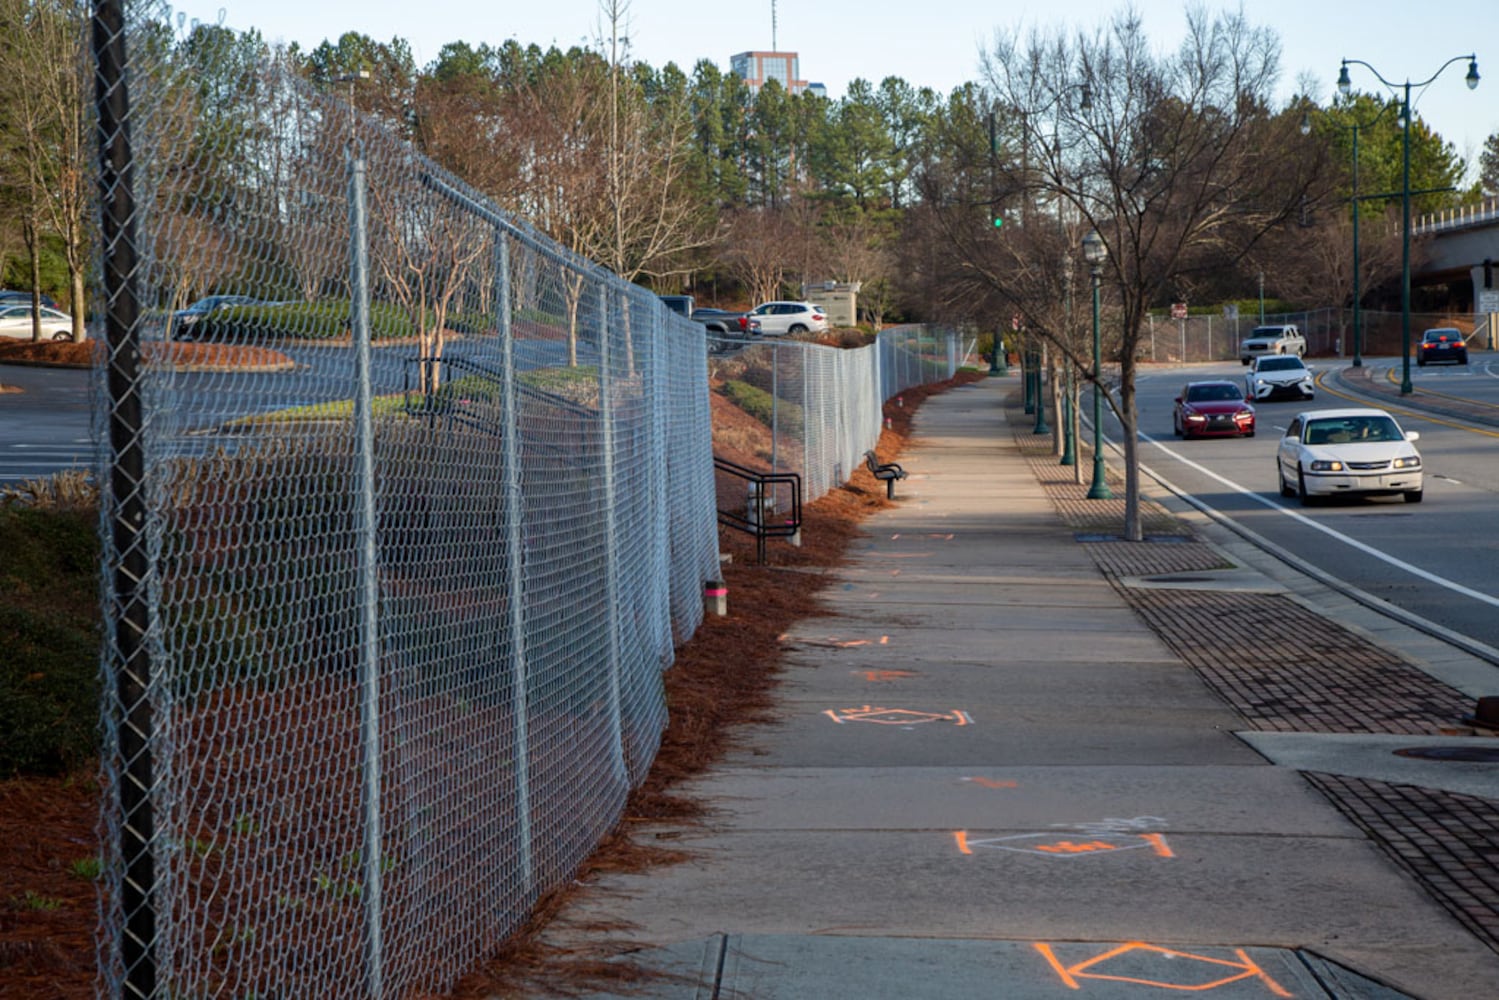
(788, 417)
(49, 639)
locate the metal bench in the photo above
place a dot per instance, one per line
(888, 472)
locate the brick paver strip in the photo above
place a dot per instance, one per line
(1285, 668)
(1449, 842)
(1288, 669)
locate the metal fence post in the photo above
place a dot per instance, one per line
(369, 571)
(611, 535)
(129, 577)
(514, 562)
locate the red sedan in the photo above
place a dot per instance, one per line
(1212, 409)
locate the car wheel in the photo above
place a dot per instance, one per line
(1463, 360)
(1307, 499)
(1285, 487)
(1420, 363)
(63, 335)
(1414, 496)
(1249, 433)
(797, 328)
(1244, 361)
(1176, 428)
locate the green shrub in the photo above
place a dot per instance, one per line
(763, 407)
(49, 640)
(327, 320)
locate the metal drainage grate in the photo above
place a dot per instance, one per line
(1481, 755)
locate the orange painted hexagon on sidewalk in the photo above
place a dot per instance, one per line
(1162, 968)
(896, 716)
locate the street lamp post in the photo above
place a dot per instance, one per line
(1344, 86)
(1041, 426)
(1358, 332)
(1069, 407)
(1028, 378)
(1095, 253)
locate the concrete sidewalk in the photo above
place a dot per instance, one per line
(999, 771)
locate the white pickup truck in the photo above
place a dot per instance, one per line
(1264, 340)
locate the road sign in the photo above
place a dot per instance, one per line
(1178, 310)
(1231, 311)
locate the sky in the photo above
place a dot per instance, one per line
(937, 46)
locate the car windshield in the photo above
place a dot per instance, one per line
(1280, 364)
(1435, 335)
(1352, 430)
(1215, 392)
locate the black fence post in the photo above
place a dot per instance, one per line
(127, 505)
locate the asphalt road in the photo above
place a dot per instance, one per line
(46, 427)
(1435, 560)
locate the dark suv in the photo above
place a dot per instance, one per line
(1442, 344)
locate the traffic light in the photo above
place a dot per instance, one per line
(999, 221)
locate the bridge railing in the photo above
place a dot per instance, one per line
(1483, 213)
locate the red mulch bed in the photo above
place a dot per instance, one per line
(184, 357)
(48, 911)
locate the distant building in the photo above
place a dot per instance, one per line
(755, 68)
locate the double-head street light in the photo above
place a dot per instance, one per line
(1095, 253)
(1306, 128)
(1344, 86)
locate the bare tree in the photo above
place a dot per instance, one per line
(756, 251)
(1174, 160)
(43, 69)
(421, 249)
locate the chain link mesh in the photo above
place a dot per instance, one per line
(824, 403)
(387, 611)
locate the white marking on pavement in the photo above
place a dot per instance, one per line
(1311, 523)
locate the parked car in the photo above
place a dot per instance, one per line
(15, 322)
(1350, 451)
(1278, 375)
(1264, 340)
(10, 297)
(1442, 344)
(777, 318)
(1212, 409)
(183, 320)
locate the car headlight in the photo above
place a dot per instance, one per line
(1244, 415)
(1407, 462)
(1327, 465)
(1195, 418)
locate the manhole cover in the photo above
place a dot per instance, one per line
(1481, 755)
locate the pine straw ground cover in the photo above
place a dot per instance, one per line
(47, 826)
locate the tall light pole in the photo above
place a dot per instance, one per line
(1095, 253)
(1069, 406)
(1358, 332)
(1344, 86)
(351, 79)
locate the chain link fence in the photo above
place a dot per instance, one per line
(823, 404)
(1329, 333)
(397, 544)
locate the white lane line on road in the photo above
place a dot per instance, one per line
(1354, 543)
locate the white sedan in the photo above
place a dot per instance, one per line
(1352, 451)
(1278, 375)
(15, 323)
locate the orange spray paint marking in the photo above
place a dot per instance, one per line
(883, 676)
(1158, 842)
(1068, 847)
(991, 783)
(884, 640)
(897, 716)
(1244, 968)
(962, 838)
